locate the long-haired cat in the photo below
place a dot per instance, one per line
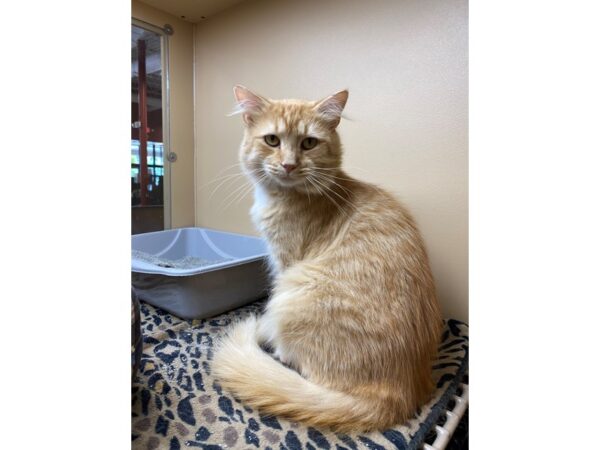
(353, 317)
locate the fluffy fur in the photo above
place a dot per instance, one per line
(353, 313)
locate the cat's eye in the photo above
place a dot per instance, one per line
(308, 143)
(272, 140)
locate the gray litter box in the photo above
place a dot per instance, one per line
(197, 272)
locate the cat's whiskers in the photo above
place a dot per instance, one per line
(306, 189)
(225, 169)
(323, 182)
(240, 192)
(271, 168)
(243, 185)
(323, 190)
(249, 172)
(314, 185)
(253, 185)
(248, 188)
(217, 179)
(321, 168)
(326, 176)
(221, 174)
(339, 168)
(329, 179)
(347, 179)
(226, 180)
(222, 180)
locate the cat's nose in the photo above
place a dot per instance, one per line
(289, 167)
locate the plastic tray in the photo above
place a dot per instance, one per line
(235, 271)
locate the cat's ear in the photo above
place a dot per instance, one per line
(330, 108)
(249, 104)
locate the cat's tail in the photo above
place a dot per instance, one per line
(260, 381)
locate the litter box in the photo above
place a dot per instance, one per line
(196, 273)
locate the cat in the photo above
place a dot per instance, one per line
(353, 317)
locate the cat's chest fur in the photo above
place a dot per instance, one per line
(283, 223)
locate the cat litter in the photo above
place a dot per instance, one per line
(187, 262)
(196, 273)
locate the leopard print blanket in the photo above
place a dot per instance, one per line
(176, 402)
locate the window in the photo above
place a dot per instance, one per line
(147, 173)
(156, 172)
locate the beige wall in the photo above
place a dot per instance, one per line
(181, 69)
(405, 63)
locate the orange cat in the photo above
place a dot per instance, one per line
(353, 310)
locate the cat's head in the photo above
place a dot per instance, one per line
(290, 144)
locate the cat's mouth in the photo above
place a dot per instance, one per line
(286, 179)
(275, 176)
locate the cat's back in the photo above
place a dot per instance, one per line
(394, 271)
(377, 213)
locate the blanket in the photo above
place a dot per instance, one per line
(177, 403)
